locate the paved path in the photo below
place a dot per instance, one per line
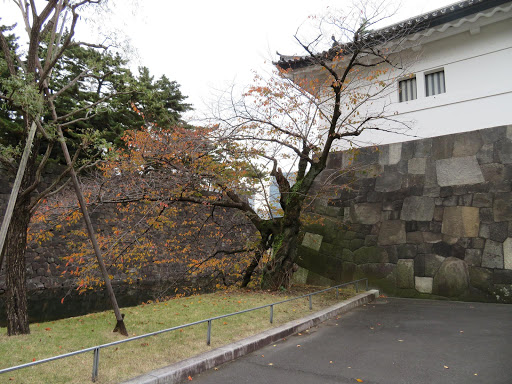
(390, 341)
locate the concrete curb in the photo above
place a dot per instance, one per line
(180, 371)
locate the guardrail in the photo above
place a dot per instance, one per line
(96, 349)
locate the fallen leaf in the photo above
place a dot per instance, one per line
(298, 345)
(359, 380)
(330, 362)
(446, 367)
(274, 345)
(270, 364)
(300, 334)
(400, 340)
(262, 355)
(34, 359)
(461, 331)
(476, 374)
(372, 328)
(190, 378)
(47, 329)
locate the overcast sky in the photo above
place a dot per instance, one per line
(206, 45)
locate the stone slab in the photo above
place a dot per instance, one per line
(452, 278)
(502, 207)
(417, 208)
(417, 166)
(458, 171)
(390, 154)
(392, 232)
(461, 221)
(405, 273)
(423, 284)
(366, 213)
(312, 241)
(492, 256)
(507, 253)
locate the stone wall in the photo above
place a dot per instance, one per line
(428, 218)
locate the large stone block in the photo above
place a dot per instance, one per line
(492, 256)
(366, 213)
(458, 171)
(507, 253)
(405, 273)
(452, 278)
(481, 278)
(461, 221)
(417, 166)
(502, 207)
(392, 232)
(432, 263)
(423, 284)
(418, 208)
(390, 154)
(367, 255)
(388, 182)
(466, 144)
(312, 241)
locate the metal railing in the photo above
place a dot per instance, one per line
(96, 349)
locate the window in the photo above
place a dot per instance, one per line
(407, 89)
(434, 83)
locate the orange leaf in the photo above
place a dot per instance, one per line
(359, 380)
(190, 378)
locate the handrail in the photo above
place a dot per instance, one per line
(96, 349)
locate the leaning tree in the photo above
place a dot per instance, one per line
(284, 125)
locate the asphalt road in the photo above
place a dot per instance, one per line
(390, 341)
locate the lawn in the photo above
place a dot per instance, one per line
(127, 360)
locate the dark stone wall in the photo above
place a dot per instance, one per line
(427, 218)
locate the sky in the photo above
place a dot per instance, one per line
(208, 46)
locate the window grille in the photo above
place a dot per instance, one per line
(407, 90)
(434, 83)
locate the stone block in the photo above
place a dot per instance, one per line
(347, 255)
(392, 232)
(452, 278)
(473, 257)
(494, 134)
(423, 148)
(406, 251)
(388, 182)
(312, 241)
(507, 253)
(368, 213)
(432, 238)
(366, 255)
(492, 256)
(415, 237)
(482, 200)
(432, 263)
(484, 231)
(481, 278)
(477, 243)
(493, 172)
(423, 284)
(504, 149)
(461, 221)
(442, 147)
(419, 265)
(458, 171)
(438, 213)
(502, 276)
(405, 273)
(417, 166)
(375, 271)
(467, 144)
(486, 154)
(356, 244)
(370, 240)
(498, 231)
(502, 207)
(417, 208)
(390, 154)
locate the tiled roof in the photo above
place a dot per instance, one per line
(410, 26)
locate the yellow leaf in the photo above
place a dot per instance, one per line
(359, 380)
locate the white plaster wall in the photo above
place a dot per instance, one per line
(477, 60)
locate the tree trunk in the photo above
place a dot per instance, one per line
(16, 295)
(278, 272)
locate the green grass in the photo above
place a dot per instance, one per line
(127, 360)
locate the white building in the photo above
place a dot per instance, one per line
(460, 73)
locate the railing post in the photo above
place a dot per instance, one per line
(337, 293)
(271, 314)
(357, 286)
(209, 333)
(95, 364)
(310, 303)
(366, 284)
